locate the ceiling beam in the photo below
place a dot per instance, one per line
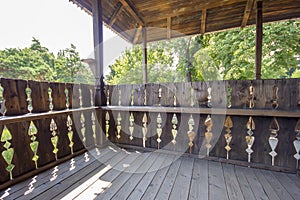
(247, 12)
(115, 14)
(203, 22)
(169, 27)
(137, 34)
(128, 5)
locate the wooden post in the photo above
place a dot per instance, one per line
(145, 55)
(98, 51)
(258, 45)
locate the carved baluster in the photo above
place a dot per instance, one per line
(229, 90)
(158, 129)
(174, 125)
(70, 133)
(50, 99)
(107, 118)
(54, 138)
(297, 144)
(175, 98)
(107, 97)
(251, 96)
(228, 137)
(192, 97)
(80, 97)
(275, 97)
(132, 97)
(144, 129)
(209, 104)
(93, 118)
(250, 138)
(119, 127)
(29, 100)
(191, 133)
(92, 97)
(208, 134)
(145, 96)
(131, 127)
(82, 121)
(273, 140)
(67, 98)
(159, 96)
(2, 102)
(8, 153)
(120, 97)
(32, 131)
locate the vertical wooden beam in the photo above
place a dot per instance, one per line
(98, 50)
(137, 34)
(258, 44)
(145, 74)
(203, 22)
(169, 28)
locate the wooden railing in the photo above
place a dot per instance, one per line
(254, 123)
(44, 124)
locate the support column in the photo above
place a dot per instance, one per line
(145, 73)
(258, 44)
(98, 51)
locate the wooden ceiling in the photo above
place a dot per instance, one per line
(166, 19)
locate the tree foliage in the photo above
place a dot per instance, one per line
(38, 63)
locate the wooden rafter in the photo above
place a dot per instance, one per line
(203, 22)
(128, 5)
(247, 12)
(169, 27)
(137, 34)
(115, 14)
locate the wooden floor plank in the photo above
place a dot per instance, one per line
(278, 188)
(155, 184)
(254, 183)
(295, 178)
(266, 185)
(117, 183)
(167, 185)
(155, 170)
(243, 182)
(233, 187)
(62, 173)
(217, 187)
(288, 184)
(199, 184)
(131, 183)
(70, 183)
(182, 182)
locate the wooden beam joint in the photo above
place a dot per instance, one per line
(129, 6)
(247, 12)
(115, 14)
(203, 22)
(169, 28)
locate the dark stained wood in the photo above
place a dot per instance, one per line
(39, 96)
(232, 184)
(58, 96)
(115, 14)
(128, 5)
(203, 21)
(145, 59)
(217, 186)
(259, 35)
(199, 183)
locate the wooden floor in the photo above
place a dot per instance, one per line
(137, 175)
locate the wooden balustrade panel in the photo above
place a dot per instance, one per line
(167, 91)
(58, 96)
(239, 94)
(139, 94)
(75, 96)
(183, 94)
(69, 87)
(4, 174)
(152, 94)
(76, 128)
(39, 96)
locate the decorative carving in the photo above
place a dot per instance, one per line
(120, 97)
(297, 143)
(192, 97)
(131, 127)
(70, 132)
(132, 97)
(107, 97)
(209, 104)
(2, 102)
(67, 98)
(175, 98)
(107, 118)
(174, 125)
(273, 140)
(159, 96)
(93, 118)
(275, 97)
(145, 96)
(54, 138)
(251, 96)
(82, 121)
(250, 138)
(92, 97)
(80, 97)
(8, 153)
(144, 129)
(119, 127)
(228, 124)
(32, 131)
(50, 99)
(158, 129)
(229, 90)
(191, 133)
(29, 100)
(208, 134)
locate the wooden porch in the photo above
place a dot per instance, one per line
(115, 173)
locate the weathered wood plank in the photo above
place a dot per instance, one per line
(199, 184)
(232, 184)
(182, 182)
(244, 184)
(217, 186)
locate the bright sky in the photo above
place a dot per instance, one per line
(56, 23)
